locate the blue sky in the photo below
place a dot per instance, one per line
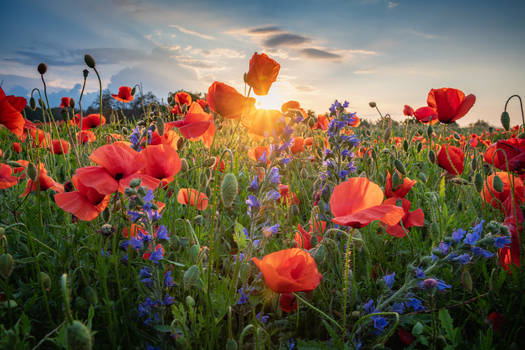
(392, 52)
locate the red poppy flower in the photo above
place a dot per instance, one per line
(65, 102)
(405, 336)
(169, 138)
(408, 111)
(289, 270)
(40, 138)
(60, 146)
(297, 145)
(183, 98)
(303, 239)
(195, 123)
(450, 104)
(451, 158)
(426, 115)
(287, 197)
(366, 204)
(6, 179)
(401, 190)
(124, 95)
(293, 105)
(263, 123)
(496, 319)
(287, 302)
(158, 248)
(355, 122)
(226, 101)
(322, 122)
(89, 122)
(495, 198)
(162, 163)
(117, 163)
(86, 136)
(262, 73)
(16, 147)
(216, 164)
(11, 108)
(507, 155)
(202, 103)
(44, 182)
(85, 203)
(410, 219)
(190, 196)
(258, 153)
(473, 142)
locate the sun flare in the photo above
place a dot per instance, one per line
(270, 101)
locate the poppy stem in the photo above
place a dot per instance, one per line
(304, 301)
(521, 106)
(100, 89)
(346, 272)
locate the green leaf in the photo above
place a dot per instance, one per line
(239, 237)
(192, 277)
(417, 329)
(442, 189)
(447, 323)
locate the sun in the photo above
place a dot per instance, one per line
(271, 101)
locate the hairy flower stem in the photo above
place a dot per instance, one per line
(346, 272)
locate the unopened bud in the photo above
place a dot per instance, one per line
(42, 68)
(7, 265)
(31, 171)
(229, 189)
(183, 165)
(372, 104)
(90, 61)
(478, 182)
(497, 184)
(135, 182)
(79, 336)
(85, 73)
(505, 120)
(32, 103)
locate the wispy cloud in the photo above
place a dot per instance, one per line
(364, 71)
(392, 4)
(310, 52)
(285, 39)
(424, 35)
(192, 32)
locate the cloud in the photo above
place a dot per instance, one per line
(285, 39)
(392, 4)
(265, 30)
(424, 35)
(192, 32)
(364, 71)
(319, 54)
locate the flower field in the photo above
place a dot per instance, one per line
(207, 222)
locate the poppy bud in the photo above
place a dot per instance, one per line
(405, 145)
(456, 136)
(372, 104)
(183, 165)
(46, 281)
(133, 91)
(192, 278)
(31, 171)
(422, 177)
(107, 229)
(85, 73)
(229, 189)
(2, 232)
(7, 265)
(190, 301)
(491, 129)
(79, 336)
(505, 120)
(497, 184)
(135, 182)
(180, 143)
(474, 164)
(209, 162)
(430, 130)
(160, 125)
(90, 61)
(42, 68)
(91, 295)
(125, 130)
(399, 166)
(130, 191)
(466, 280)
(432, 156)
(311, 122)
(142, 191)
(396, 180)
(295, 210)
(419, 147)
(32, 103)
(478, 182)
(72, 103)
(430, 283)
(198, 219)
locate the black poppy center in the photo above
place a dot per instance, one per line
(119, 176)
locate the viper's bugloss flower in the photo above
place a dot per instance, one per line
(482, 252)
(168, 279)
(415, 304)
(501, 241)
(398, 307)
(380, 323)
(243, 299)
(389, 280)
(457, 235)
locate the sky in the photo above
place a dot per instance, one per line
(390, 52)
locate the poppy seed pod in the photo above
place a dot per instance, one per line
(46, 280)
(229, 189)
(79, 336)
(399, 166)
(311, 122)
(372, 104)
(90, 61)
(32, 103)
(497, 184)
(183, 165)
(478, 182)
(432, 156)
(42, 68)
(7, 265)
(505, 120)
(419, 147)
(430, 130)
